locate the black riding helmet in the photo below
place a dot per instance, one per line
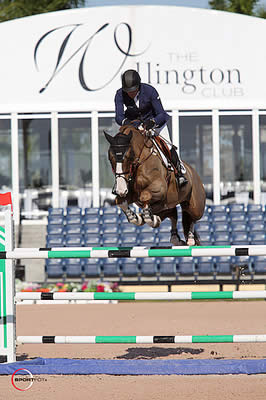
(130, 80)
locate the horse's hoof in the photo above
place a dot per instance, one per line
(191, 242)
(176, 241)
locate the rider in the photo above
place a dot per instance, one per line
(143, 105)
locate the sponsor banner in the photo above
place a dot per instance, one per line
(74, 59)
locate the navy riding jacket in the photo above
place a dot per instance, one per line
(150, 105)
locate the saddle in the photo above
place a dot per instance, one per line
(166, 152)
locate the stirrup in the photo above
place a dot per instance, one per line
(181, 180)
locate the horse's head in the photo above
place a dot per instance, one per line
(121, 157)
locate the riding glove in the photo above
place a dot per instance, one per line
(149, 124)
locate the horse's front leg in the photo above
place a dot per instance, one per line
(152, 220)
(132, 217)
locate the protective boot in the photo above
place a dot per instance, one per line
(181, 180)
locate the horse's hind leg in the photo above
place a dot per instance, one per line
(175, 238)
(190, 233)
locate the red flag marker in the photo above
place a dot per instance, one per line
(5, 199)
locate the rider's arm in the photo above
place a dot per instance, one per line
(161, 116)
(119, 108)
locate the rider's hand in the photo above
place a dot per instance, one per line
(149, 124)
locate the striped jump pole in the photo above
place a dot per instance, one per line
(133, 252)
(234, 295)
(142, 339)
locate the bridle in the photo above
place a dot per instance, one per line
(120, 156)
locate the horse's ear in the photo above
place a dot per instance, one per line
(108, 137)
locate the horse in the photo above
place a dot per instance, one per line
(142, 177)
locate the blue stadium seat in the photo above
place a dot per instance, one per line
(74, 211)
(129, 240)
(92, 267)
(148, 267)
(92, 240)
(128, 228)
(130, 267)
(219, 209)
(110, 219)
(220, 227)
(55, 230)
(91, 219)
(146, 229)
(220, 217)
(167, 266)
(238, 227)
(259, 265)
(206, 218)
(257, 238)
(186, 266)
(146, 239)
(114, 210)
(254, 226)
(163, 239)
(74, 219)
(73, 267)
(165, 226)
(223, 265)
(56, 219)
(255, 217)
(110, 240)
(109, 228)
(91, 229)
(73, 229)
(56, 211)
(221, 238)
(204, 265)
(92, 211)
(55, 241)
(237, 217)
(206, 239)
(203, 227)
(239, 238)
(111, 267)
(74, 241)
(253, 208)
(54, 268)
(236, 208)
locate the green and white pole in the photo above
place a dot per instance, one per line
(135, 296)
(142, 339)
(133, 252)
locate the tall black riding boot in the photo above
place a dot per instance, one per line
(181, 180)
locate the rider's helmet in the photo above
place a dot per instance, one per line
(130, 80)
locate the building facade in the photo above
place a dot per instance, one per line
(60, 72)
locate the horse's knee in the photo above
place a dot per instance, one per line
(145, 196)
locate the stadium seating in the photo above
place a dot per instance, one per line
(106, 226)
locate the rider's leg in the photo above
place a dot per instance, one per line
(181, 170)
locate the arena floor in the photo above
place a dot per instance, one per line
(143, 318)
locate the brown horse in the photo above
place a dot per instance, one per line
(141, 177)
